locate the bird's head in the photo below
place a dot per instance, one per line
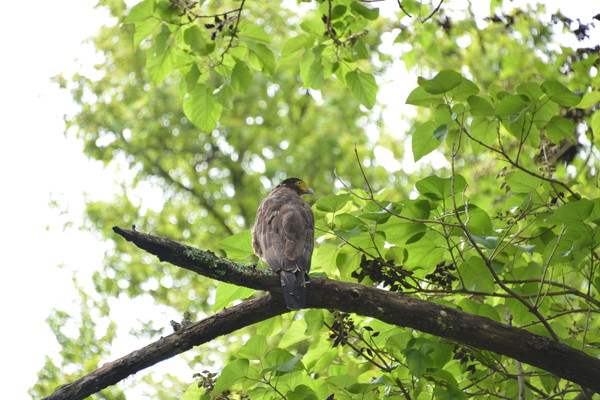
(296, 185)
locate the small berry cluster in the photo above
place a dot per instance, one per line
(443, 275)
(386, 272)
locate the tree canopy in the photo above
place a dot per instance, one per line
(213, 103)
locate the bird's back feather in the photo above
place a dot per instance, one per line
(283, 236)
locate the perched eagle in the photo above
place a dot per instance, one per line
(283, 237)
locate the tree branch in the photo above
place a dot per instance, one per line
(225, 321)
(393, 308)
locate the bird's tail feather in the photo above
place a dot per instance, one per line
(294, 289)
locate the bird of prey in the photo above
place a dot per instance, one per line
(283, 237)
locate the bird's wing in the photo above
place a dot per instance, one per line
(283, 234)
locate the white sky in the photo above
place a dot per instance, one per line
(40, 39)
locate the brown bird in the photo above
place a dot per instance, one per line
(283, 237)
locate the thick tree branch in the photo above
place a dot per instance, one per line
(436, 319)
(393, 308)
(225, 321)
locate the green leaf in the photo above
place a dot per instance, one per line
(301, 392)
(377, 216)
(523, 129)
(596, 123)
(276, 357)
(342, 381)
(192, 77)
(143, 29)
(270, 327)
(417, 361)
(254, 349)
(193, 392)
(423, 141)
(560, 94)
(559, 128)
(294, 334)
(532, 90)
(261, 58)
(241, 77)
(163, 58)
(167, 13)
(480, 106)
(197, 40)
(482, 309)
(338, 11)
(440, 187)
(233, 371)
(313, 26)
(464, 90)
(574, 211)
(227, 293)
(362, 388)
(332, 202)
(311, 69)
(589, 99)
(476, 276)
(512, 104)
(545, 113)
(521, 182)
(485, 130)
(202, 108)
(224, 70)
(443, 115)
(141, 11)
(401, 232)
(479, 222)
(363, 87)
(290, 365)
(238, 246)
(440, 132)
(441, 83)
(314, 321)
(489, 242)
(360, 51)
(368, 13)
(346, 222)
(324, 256)
(225, 96)
(420, 97)
(254, 32)
(444, 391)
(302, 41)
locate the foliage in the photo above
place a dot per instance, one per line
(84, 341)
(209, 103)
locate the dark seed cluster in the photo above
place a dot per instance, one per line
(386, 272)
(443, 275)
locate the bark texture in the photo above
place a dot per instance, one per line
(394, 308)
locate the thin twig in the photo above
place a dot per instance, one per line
(403, 9)
(539, 301)
(189, 10)
(235, 28)
(518, 166)
(330, 31)
(432, 13)
(386, 209)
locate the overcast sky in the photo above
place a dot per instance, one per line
(40, 39)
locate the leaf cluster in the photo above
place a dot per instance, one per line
(210, 104)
